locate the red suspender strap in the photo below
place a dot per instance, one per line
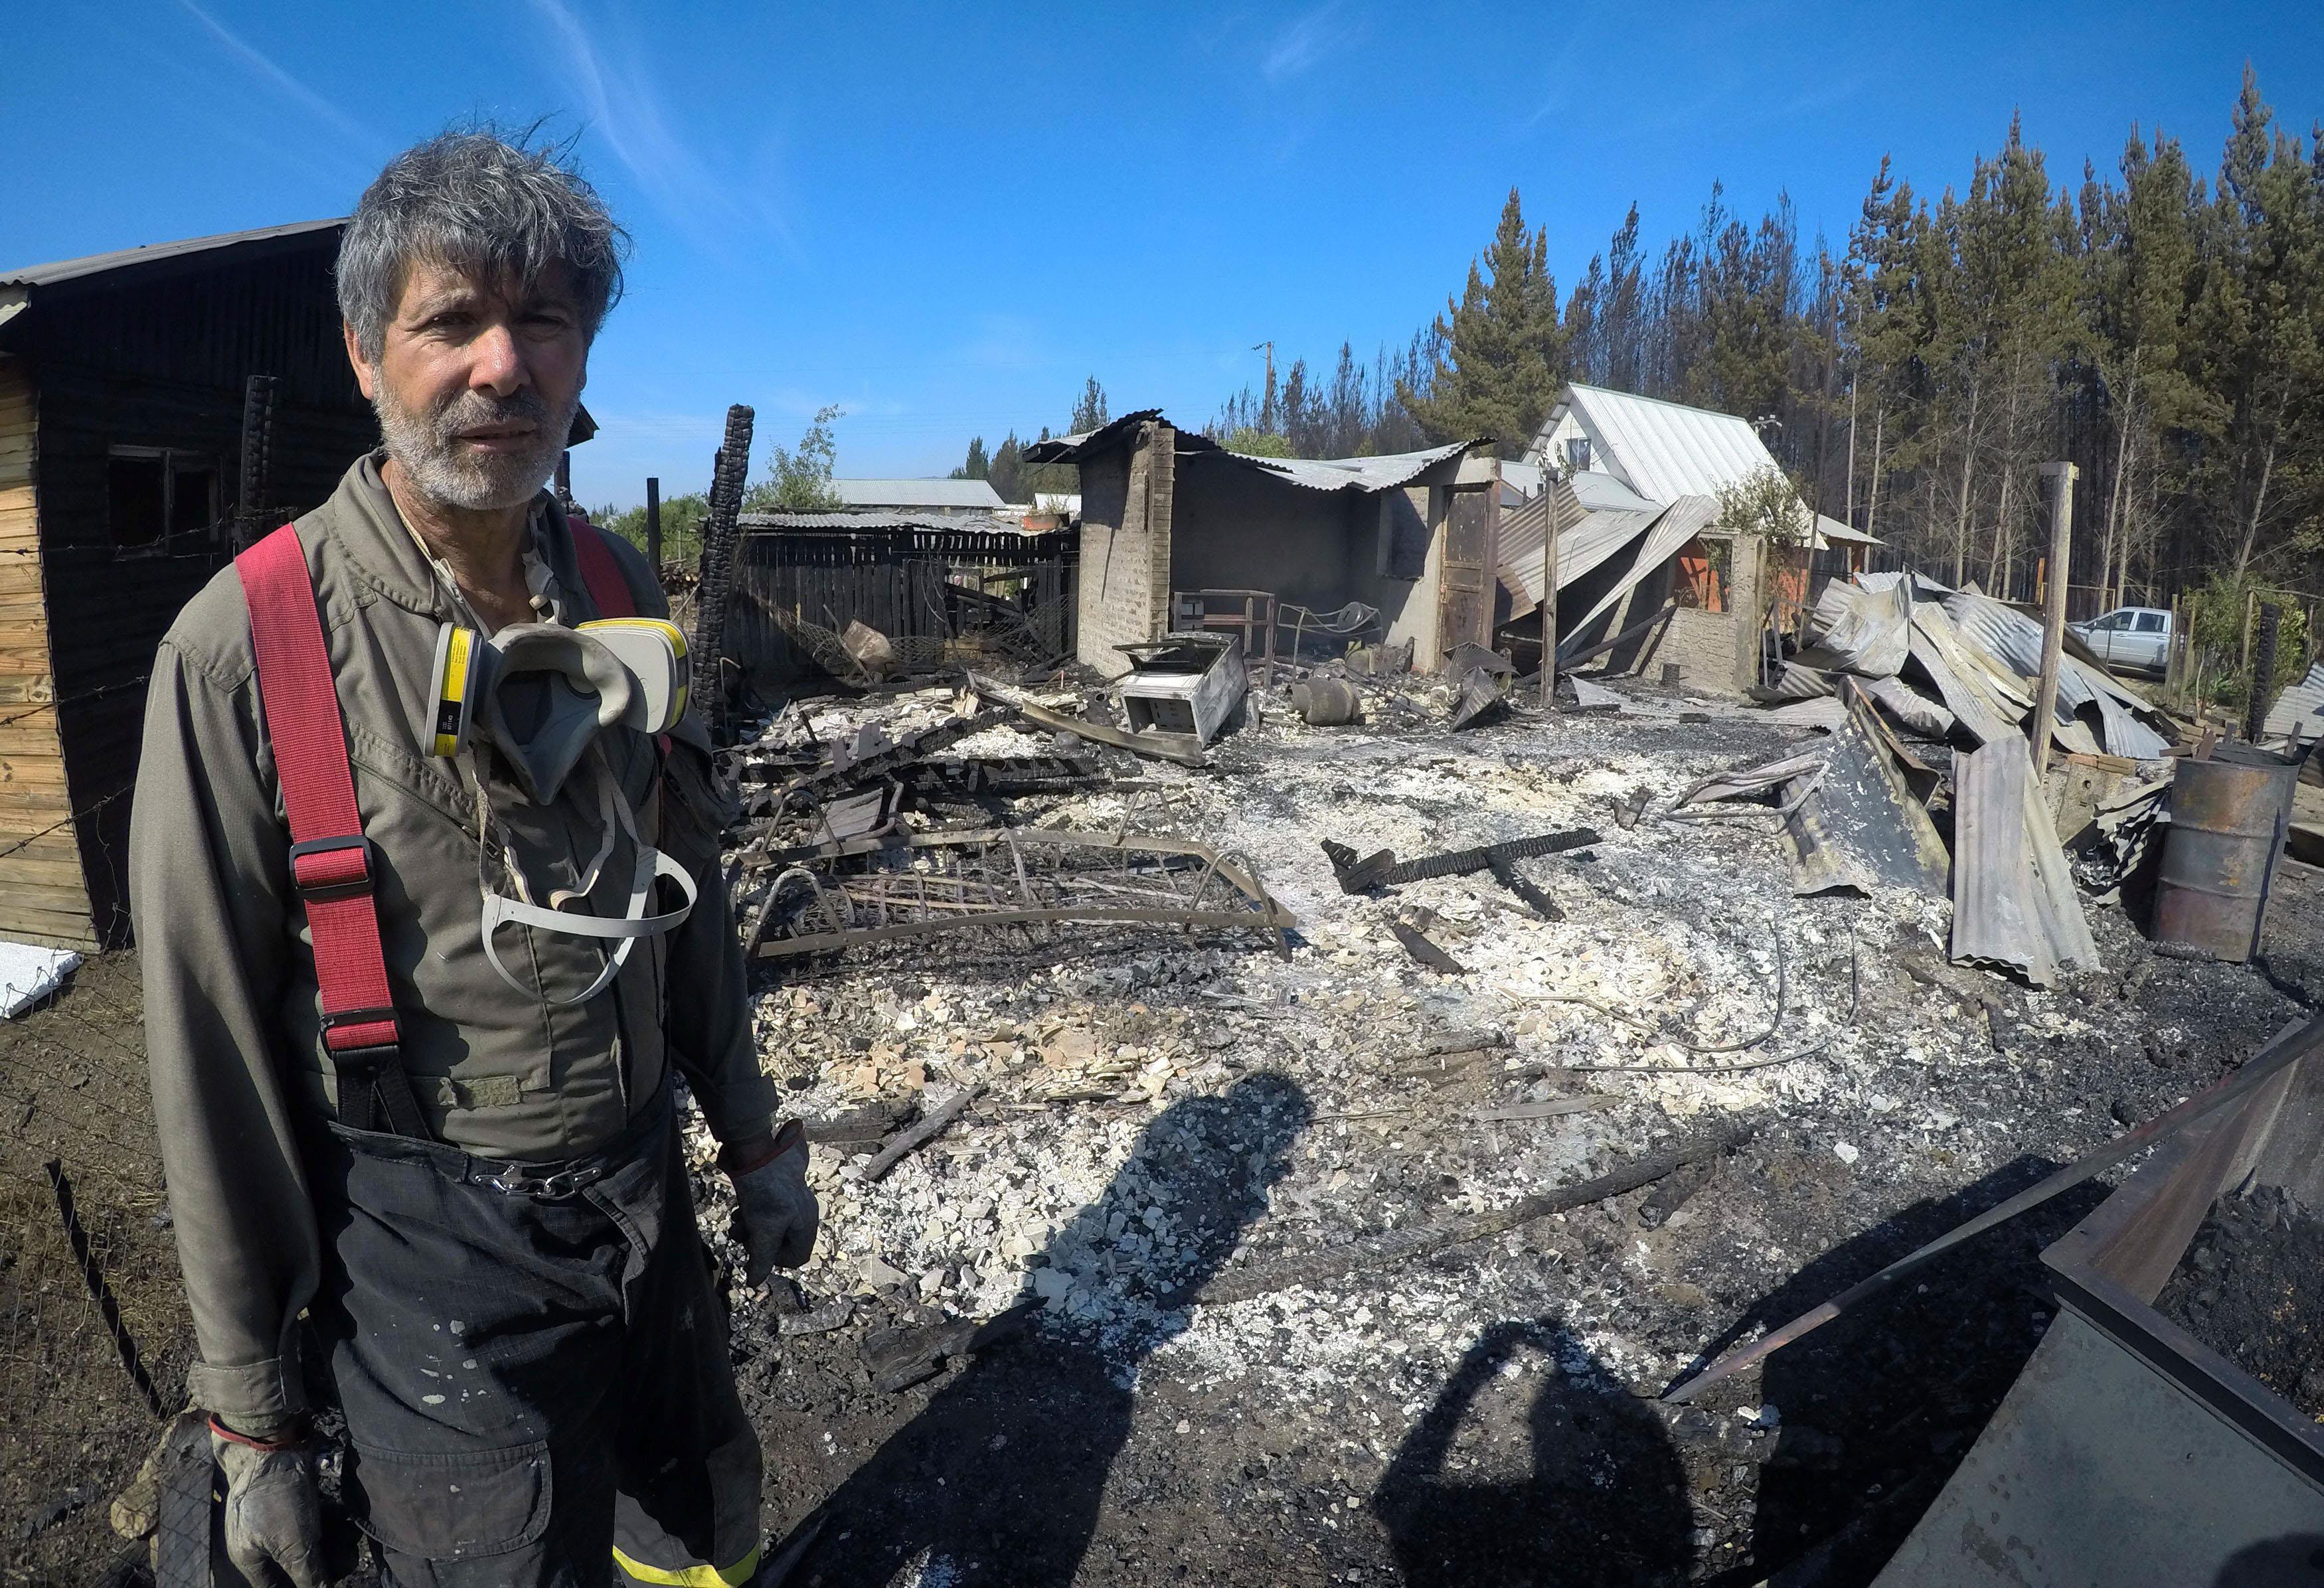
(608, 591)
(331, 862)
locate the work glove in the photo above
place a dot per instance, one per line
(775, 1214)
(273, 1514)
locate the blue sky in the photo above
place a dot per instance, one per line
(944, 220)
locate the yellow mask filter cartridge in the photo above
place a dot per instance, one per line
(458, 658)
(654, 652)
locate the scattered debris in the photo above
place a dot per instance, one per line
(1324, 701)
(1162, 747)
(1549, 1108)
(899, 1358)
(1482, 700)
(851, 896)
(1381, 868)
(2289, 1049)
(1424, 951)
(1404, 1245)
(922, 1133)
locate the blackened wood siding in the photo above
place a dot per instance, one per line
(42, 895)
(126, 360)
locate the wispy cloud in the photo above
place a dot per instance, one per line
(626, 111)
(1306, 43)
(299, 93)
(1560, 94)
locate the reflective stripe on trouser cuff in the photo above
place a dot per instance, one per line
(733, 1577)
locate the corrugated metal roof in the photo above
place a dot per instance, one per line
(1594, 489)
(1581, 545)
(1829, 530)
(1072, 449)
(1371, 474)
(1688, 517)
(2298, 710)
(95, 264)
(1665, 450)
(2013, 901)
(847, 521)
(2014, 640)
(918, 493)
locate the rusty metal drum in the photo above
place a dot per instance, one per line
(2228, 820)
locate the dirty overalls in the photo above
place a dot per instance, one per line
(528, 1344)
(531, 1357)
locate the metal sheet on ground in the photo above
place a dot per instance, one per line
(2084, 1477)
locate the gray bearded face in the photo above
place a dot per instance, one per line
(429, 449)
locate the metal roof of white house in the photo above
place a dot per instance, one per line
(1662, 450)
(958, 494)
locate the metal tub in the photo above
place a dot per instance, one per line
(2228, 820)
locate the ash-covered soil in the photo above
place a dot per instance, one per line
(2247, 1288)
(1161, 1110)
(1486, 1414)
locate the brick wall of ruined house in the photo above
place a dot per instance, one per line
(1125, 567)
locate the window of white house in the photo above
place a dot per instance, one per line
(153, 493)
(1577, 451)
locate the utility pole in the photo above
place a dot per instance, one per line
(2060, 480)
(1550, 526)
(653, 523)
(1848, 513)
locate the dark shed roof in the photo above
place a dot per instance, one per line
(252, 243)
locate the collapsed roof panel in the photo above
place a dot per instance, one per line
(2016, 639)
(1687, 518)
(1582, 544)
(2013, 901)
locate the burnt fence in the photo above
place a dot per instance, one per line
(938, 596)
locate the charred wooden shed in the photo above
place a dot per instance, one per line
(935, 590)
(126, 471)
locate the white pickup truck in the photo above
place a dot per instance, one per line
(2135, 639)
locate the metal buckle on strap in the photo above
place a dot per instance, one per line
(326, 880)
(362, 1055)
(515, 1181)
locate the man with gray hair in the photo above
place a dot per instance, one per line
(425, 866)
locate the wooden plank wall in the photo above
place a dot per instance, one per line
(44, 893)
(895, 580)
(123, 362)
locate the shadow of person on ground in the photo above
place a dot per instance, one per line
(1000, 1481)
(2295, 1560)
(1581, 1488)
(1874, 1410)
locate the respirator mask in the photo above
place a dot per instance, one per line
(541, 695)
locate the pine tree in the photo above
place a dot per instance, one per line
(1007, 466)
(1500, 346)
(2140, 279)
(2262, 300)
(1886, 326)
(1089, 410)
(978, 465)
